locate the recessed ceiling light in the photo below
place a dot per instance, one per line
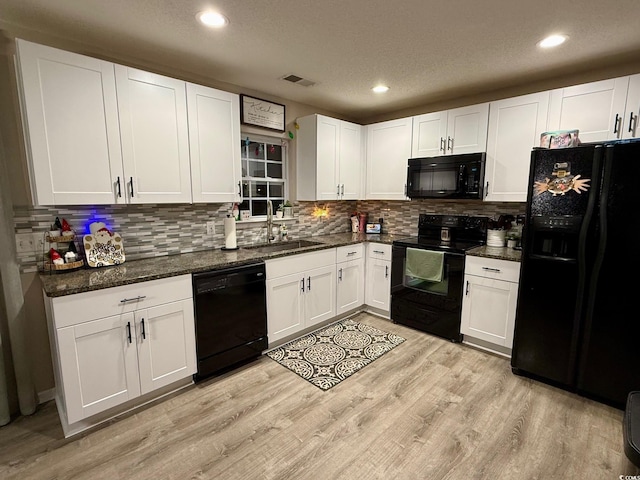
(553, 41)
(212, 19)
(380, 89)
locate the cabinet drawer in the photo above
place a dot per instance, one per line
(302, 262)
(492, 268)
(379, 250)
(83, 307)
(349, 252)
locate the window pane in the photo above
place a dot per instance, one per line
(256, 169)
(274, 152)
(244, 205)
(243, 149)
(274, 170)
(244, 168)
(256, 150)
(258, 189)
(258, 207)
(276, 190)
(245, 189)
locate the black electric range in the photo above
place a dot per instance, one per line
(435, 307)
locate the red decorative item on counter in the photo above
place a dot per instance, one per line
(53, 254)
(65, 226)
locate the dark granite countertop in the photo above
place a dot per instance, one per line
(88, 279)
(500, 253)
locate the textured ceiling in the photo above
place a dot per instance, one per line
(426, 50)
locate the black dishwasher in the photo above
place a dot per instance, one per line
(231, 317)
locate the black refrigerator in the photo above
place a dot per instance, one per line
(577, 320)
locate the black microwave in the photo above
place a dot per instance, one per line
(450, 176)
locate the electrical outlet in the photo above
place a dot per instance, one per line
(211, 228)
(38, 242)
(24, 243)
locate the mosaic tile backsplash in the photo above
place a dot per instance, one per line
(158, 229)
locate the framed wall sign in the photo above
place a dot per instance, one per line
(261, 113)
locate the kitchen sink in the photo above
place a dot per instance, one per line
(282, 246)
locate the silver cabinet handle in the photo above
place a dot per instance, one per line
(496, 270)
(120, 190)
(351, 253)
(144, 334)
(386, 271)
(309, 283)
(131, 185)
(615, 123)
(379, 251)
(450, 144)
(442, 146)
(466, 292)
(239, 190)
(342, 190)
(340, 275)
(338, 190)
(129, 331)
(486, 190)
(302, 284)
(139, 297)
(631, 117)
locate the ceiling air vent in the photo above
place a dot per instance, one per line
(298, 80)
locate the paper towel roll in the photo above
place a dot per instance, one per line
(230, 233)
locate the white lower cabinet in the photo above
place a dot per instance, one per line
(350, 278)
(489, 302)
(378, 284)
(143, 340)
(301, 292)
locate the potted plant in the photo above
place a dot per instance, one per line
(280, 211)
(288, 209)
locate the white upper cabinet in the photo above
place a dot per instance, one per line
(70, 116)
(596, 109)
(429, 135)
(99, 133)
(388, 150)
(329, 159)
(155, 137)
(515, 125)
(214, 141)
(457, 131)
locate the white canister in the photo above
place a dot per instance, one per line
(495, 238)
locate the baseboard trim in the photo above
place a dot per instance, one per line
(46, 395)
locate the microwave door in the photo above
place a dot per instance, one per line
(462, 179)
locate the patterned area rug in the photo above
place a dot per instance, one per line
(328, 356)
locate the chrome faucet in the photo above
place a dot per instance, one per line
(270, 236)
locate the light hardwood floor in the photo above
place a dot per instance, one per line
(429, 409)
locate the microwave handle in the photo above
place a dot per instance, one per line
(462, 178)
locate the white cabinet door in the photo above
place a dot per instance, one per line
(467, 129)
(327, 158)
(155, 138)
(319, 298)
(166, 344)
(285, 312)
(71, 120)
(489, 310)
(596, 109)
(98, 365)
(350, 285)
(378, 283)
(214, 143)
(350, 166)
(630, 125)
(429, 135)
(515, 125)
(388, 150)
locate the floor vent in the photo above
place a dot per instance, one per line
(298, 80)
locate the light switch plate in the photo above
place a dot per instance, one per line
(24, 243)
(211, 228)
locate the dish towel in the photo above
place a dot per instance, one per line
(424, 264)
